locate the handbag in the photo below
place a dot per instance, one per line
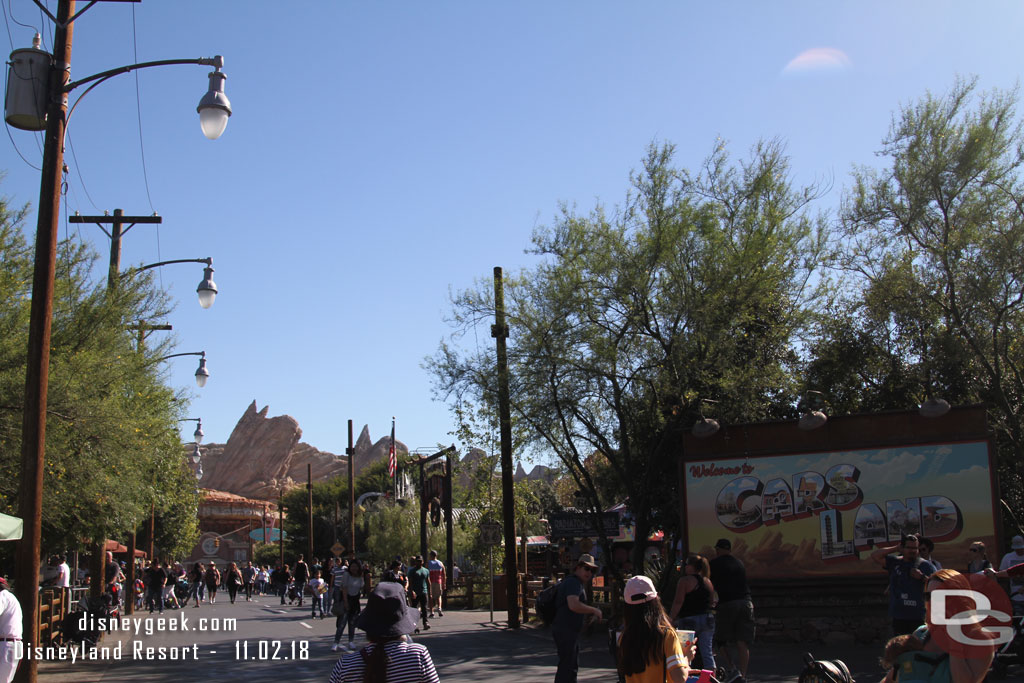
(338, 608)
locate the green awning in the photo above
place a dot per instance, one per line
(10, 528)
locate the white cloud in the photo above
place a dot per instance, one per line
(818, 59)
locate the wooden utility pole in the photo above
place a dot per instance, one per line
(309, 489)
(499, 330)
(33, 426)
(351, 453)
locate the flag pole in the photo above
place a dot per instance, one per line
(394, 459)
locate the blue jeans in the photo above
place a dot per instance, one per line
(704, 626)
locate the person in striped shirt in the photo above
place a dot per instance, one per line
(388, 658)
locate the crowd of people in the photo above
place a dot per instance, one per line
(708, 624)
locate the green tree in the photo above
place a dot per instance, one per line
(696, 288)
(330, 518)
(112, 448)
(934, 245)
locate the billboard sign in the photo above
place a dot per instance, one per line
(581, 524)
(821, 514)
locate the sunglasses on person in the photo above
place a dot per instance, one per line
(975, 550)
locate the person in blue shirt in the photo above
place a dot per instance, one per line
(572, 609)
(907, 575)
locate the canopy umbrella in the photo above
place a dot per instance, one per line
(10, 528)
(115, 547)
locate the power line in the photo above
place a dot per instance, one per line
(138, 111)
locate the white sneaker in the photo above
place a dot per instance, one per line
(352, 646)
(335, 647)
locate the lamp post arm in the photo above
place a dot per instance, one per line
(208, 261)
(187, 353)
(216, 62)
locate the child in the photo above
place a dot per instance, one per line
(317, 587)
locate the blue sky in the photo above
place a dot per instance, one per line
(381, 154)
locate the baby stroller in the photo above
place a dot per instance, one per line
(824, 671)
(1011, 653)
(77, 626)
(293, 593)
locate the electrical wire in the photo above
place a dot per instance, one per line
(78, 170)
(7, 23)
(138, 110)
(10, 9)
(15, 145)
(142, 147)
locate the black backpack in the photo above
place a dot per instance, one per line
(547, 603)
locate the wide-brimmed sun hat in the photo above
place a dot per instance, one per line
(386, 613)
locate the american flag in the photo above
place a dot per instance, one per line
(392, 460)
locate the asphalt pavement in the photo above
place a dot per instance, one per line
(270, 642)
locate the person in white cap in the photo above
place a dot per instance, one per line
(1014, 557)
(649, 650)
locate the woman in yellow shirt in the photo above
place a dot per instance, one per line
(649, 650)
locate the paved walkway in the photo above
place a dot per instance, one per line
(466, 646)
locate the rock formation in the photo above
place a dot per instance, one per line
(264, 455)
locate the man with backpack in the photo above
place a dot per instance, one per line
(907, 575)
(571, 610)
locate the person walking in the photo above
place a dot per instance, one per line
(734, 616)
(387, 620)
(156, 578)
(301, 576)
(648, 648)
(907, 575)
(317, 589)
(571, 611)
(419, 588)
(232, 580)
(437, 582)
(284, 577)
(212, 581)
(691, 607)
(249, 580)
(351, 588)
(195, 580)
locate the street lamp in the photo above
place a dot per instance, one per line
(198, 434)
(37, 100)
(202, 374)
(207, 289)
(31, 69)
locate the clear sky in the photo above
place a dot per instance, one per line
(381, 154)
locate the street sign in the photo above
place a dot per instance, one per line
(490, 533)
(337, 549)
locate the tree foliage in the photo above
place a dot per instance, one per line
(695, 289)
(934, 249)
(112, 448)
